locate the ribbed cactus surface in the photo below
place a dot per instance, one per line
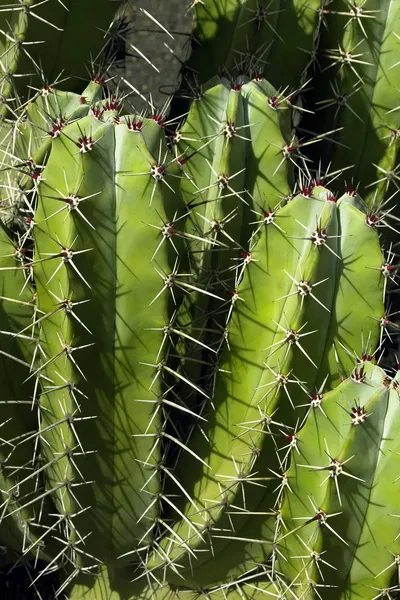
(339, 59)
(254, 35)
(44, 41)
(192, 316)
(356, 90)
(176, 316)
(340, 493)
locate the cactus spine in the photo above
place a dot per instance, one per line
(40, 42)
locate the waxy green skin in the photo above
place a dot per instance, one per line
(350, 53)
(234, 140)
(17, 420)
(112, 278)
(106, 588)
(196, 511)
(368, 502)
(256, 346)
(129, 465)
(237, 35)
(360, 97)
(46, 39)
(362, 518)
(51, 110)
(25, 145)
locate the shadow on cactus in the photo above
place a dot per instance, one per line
(189, 343)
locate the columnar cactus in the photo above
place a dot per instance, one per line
(130, 442)
(25, 146)
(347, 80)
(191, 318)
(357, 90)
(244, 35)
(340, 495)
(237, 138)
(284, 339)
(40, 42)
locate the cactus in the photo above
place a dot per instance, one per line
(249, 35)
(129, 444)
(350, 54)
(18, 422)
(274, 356)
(40, 42)
(342, 493)
(356, 89)
(190, 323)
(236, 137)
(25, 146)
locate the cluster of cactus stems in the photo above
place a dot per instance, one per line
(40, 38)
(192, 315)
(341, 55)
(356, 89)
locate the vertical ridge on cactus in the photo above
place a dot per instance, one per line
(254, 34)
(105, 237)
(67, 30)
(192, 316)
(356, 90)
